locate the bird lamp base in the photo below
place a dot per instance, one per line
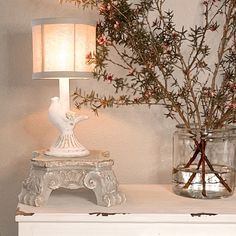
(67, 153)
(67, 145)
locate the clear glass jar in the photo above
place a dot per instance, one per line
(204, 162)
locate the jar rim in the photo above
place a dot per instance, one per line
(192, 127)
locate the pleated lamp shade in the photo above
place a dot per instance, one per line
(62, 48)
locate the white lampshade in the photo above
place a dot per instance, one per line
(61, 48)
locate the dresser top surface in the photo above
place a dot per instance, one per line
(144, 202)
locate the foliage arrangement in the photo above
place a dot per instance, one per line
(164, 64)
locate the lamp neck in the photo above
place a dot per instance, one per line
(64, 87)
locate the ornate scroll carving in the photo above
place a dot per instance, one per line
(96, 175)
(105, 186)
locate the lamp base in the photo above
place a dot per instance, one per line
(67, 145)
(62, 153)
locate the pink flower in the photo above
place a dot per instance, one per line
(213, 27)
(148, 93)
(109, 77)
(102, 8)
(108, 7)
(166, 48)
(231, 105)
(102, 40)
(208, 92)
(105, 8)
(117, 25)
(212, 94)
(115, 3)
(89, 57)
(174, 35)
(234, 87)
(150, 65)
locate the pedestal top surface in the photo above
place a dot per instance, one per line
(97, 158)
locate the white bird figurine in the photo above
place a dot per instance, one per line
(67, 144)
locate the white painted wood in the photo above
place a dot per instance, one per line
(67, 144)
(149, 210)
(118, 229)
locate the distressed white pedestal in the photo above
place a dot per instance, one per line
(150, 210)
(92, 172)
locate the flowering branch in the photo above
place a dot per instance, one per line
(152, 54)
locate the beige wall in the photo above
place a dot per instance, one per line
(138, 138)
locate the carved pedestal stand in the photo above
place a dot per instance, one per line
(92, 172)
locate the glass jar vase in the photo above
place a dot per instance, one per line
(204, 162)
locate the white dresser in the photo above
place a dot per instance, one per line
(150, 210)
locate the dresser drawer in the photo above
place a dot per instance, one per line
(129, 229)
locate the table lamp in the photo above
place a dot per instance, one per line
(62, 49)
